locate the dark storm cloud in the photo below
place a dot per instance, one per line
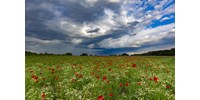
(92, 31)
(39, 12)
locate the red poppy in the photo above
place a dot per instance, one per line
(97, 77)
(52, 69)
(111, 94)
(43, 95)
(150, 78)
(52, 72)
(167, 86)
(104, 77)
(36, 78)
(57, 66)
(109, 69)
(100, 97)
(33, 76)
(155, 79)
(134, 65)
(80, 76)
(126, 84)
(120, 84)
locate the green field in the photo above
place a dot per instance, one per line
(99, 78)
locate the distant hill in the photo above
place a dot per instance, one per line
(170, 52)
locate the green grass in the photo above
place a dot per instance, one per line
(66, 82)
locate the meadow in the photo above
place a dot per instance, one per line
(99, 78)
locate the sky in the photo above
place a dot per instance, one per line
(99, 27)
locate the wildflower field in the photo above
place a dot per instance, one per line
(99, 78)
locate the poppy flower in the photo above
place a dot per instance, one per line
(150, 78)
(36, 78)
(33, 76)
(80, 76)
(126, 84)
(111, 94)
(100, 97)
(120, 84)
(76, 74)
(52, 72)
(167, 86)
(134, 65)
(109, 69)
(52, 69)
(97, 77)
(155, 79)
(104, 77)
(43, 95)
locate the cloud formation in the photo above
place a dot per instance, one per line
(99, 26)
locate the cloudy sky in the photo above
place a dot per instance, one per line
(100, 27)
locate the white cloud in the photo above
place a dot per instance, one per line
(76, 41)
(113, 1)
(144, 36)
(40, 41)
(165, 18)
(91, 45)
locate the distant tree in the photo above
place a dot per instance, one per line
(84, 54)
(124, 54)
(45, 53)
(91, 55)
(170, 52)
(68, 54)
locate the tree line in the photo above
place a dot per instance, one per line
(170, 52)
